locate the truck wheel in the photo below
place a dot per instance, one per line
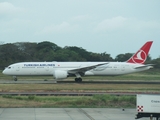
(158, 118)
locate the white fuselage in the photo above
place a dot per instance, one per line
(48, 68)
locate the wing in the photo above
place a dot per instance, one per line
(84, 69)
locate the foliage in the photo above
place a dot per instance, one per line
(156, 62)
(31, 97)
(123, 57)
(48, 51)
(126, 56)
(68, 101)
(45, 51)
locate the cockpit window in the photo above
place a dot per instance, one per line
(9, 67)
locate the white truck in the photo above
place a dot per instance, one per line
(148, 106)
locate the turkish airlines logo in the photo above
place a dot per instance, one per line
(140, 57)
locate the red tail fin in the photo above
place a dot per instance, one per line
(141, 55)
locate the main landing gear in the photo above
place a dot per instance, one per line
(78, 79)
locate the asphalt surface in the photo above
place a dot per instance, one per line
(67, 114)
(83, 82)
(75, 93)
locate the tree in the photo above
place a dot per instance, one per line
(28, 49)
(106, 57)
(46, 50)
(156, 63)
(47, 46)
(82, 53)
(100, 57)
(9, 53)
(123, 57)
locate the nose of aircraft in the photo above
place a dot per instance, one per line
(4, 71)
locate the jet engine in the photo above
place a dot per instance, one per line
(60, 74)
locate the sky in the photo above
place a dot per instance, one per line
(111, 26)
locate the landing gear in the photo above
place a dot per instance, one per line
(14, 78)
(78, 79)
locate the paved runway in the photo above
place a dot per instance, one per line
(84, 82)
(67, 114)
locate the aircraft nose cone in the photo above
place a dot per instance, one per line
(4, 71)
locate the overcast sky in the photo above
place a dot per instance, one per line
(111, 26)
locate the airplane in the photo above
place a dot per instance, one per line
(62, 70)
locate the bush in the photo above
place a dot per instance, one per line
(31, 97)
(102, 98)
(7, 96)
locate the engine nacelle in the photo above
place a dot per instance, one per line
(60, 74)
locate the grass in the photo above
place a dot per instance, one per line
(68, 101)
(79, 101)
(73, 101)
(79, 87)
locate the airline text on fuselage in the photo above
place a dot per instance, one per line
(35, 65)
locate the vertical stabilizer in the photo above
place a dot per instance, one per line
(141, 55)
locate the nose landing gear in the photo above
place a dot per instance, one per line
(14, 78)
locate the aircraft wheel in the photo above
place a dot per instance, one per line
(158, 118)
(78, 79)
(14, 78)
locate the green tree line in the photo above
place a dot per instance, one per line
(47, 51)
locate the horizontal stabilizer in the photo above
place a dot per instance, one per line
(144, 66)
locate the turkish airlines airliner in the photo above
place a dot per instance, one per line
(62, 70)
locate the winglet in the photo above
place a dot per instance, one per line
(141, 55)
